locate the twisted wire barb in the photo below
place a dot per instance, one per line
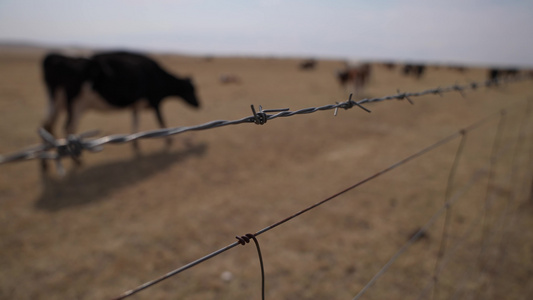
(243, 240)
(74, 145)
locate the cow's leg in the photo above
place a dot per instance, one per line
(54, 108)
(162, 124)
(135, 128)
(76, 105)
(74, 111)
(51, 115)
(73, 116)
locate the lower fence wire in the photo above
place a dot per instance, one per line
(449, 188)
(490, 184)
(487, 234)
(449, 255)
(484, 240)
(519, 144)
(222, 250)
(448, 204)
(494, 233)
(474, 179)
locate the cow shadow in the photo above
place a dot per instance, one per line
(92, 184)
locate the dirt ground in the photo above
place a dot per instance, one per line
(121, 219)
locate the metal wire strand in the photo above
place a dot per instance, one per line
(448, 213)
(80, 143)
(474, 179)
(268, 228)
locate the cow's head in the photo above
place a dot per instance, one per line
(187, 91)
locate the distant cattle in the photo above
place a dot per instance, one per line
(460, 69)
(309, 64)
(229, 78)
(416, 70)
(494, 74)
(355, 77)
(109, 81)
(389, 65)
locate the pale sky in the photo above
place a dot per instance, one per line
(463, 31)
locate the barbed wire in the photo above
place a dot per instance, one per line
(74, 145)
(411, 157)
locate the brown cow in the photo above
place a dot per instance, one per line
(355, 77)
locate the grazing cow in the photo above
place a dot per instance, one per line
(389, 65)
(355, 75)
(106, 81)
(64, 78)
(415, 70)
(460, 69)
(495, 73)
(309, 64)
(229, 78)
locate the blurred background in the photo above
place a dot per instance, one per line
(122, 217)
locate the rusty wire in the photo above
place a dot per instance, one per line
(74, 145)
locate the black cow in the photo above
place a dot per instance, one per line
(494, 74)
(64, 78)
(415, 70)
(106, 81)
(309, 64)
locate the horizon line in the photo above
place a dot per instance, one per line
(59, 46)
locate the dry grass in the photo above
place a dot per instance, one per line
(120, 220)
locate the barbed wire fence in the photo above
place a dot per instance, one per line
(74, 145)
(446, 254)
